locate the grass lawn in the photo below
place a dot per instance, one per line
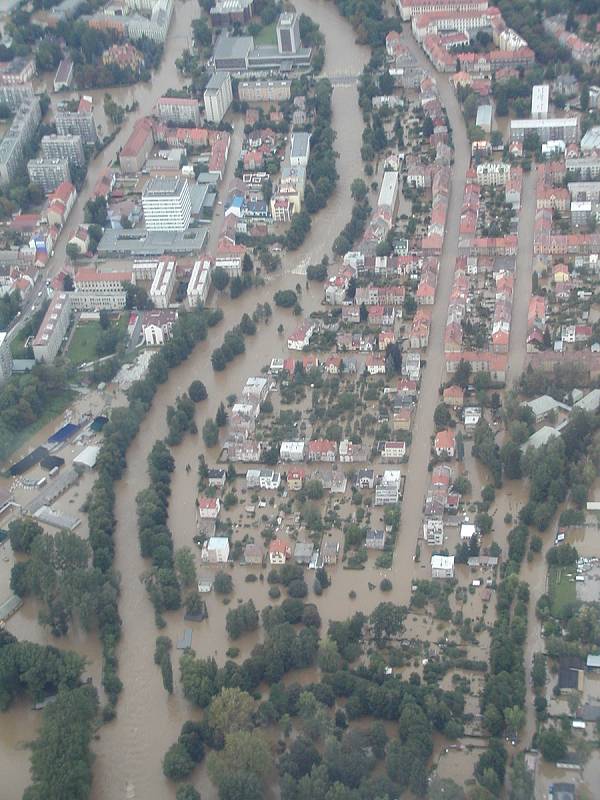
(561, 588)
(17, 346)
(267, 35)
(83, 343)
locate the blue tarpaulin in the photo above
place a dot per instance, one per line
(64, 433)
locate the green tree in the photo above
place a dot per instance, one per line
(223, 583)
(221, 417)
(187, 792)
(231, 710)
(23, 532)
(210, 433)
(552, 744)
(197, 391)
(250, 754)
(220, 278)
(177, 763)
(358, 190)
(185, 566)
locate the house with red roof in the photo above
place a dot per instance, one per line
(445, 443)
(209, 507)
(322, 450)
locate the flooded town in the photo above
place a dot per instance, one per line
(299, 399)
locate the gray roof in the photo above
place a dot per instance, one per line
(540, 438)
(590, 402)
(140, 242)
(162, 186)
(593, 661)
(300, 143)
(544, 405)
(232, 47)
(591, 140)
(217, 79)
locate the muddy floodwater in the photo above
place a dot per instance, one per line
(129, 750)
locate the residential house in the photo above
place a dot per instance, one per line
(454, 396)
(433, 531)
(375, 539)
(445, 444)
(442, 566)
(329, 552)
(217, 478)
(322, 450)
(387, 490)
(300, 338)
(215, 550)
(209, 507)
(253, 554)
(393, 451)
(279, 552)
(295, 479)
(303, 553)
(365, 479)
(291, 451)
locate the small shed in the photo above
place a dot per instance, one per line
(185, 641)
(88, 457)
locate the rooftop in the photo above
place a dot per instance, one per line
(162, 186)
(217, 79)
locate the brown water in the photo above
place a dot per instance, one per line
(130, 749)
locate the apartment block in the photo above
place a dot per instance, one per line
(181, 110)
(218, 96)
(6, 362)
(48, 172)
(78, 123)
(264, 91)
(67, 146)
(199, 283)
(20, 133)
(96, 291)
(53, 328)
(14, 95)
(162, 285)
(167, 204)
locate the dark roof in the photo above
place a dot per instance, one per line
(29, 461)
(64, 433)
(568, 668)
(98, 423)
(51, 461)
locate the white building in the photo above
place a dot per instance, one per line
(199, 283)
(387, 490)
(218, 96)
(291, 451)
(388, 194)
(565, 128)
(467, 531)
(493, 173)
(54, 326)
(6, 362)
(162, 285)
(300, 338)
(442, 566)
(540, 97)
(157, 326)
(216, 550)
(167, 204)
(300, 150)
(97, 291)
(433, 531)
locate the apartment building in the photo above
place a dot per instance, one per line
(264, 91)
(20, 133)
(411, 8)
(564, 128)
(96, 291)
(387, 490)
(48, 172)
(67, 146)
(162, 285)
(14, 95)
(167, 204)
(137, 147)
(6, 361)
(218, 96)
(78, 123)
(182, 110)
(53, 328)
(494, 173)
(199, 283)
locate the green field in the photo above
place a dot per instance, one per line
(82, 348)
(267, 35)
(561, 588)
(83, 343)
(54, 408)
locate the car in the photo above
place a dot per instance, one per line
(39, 294)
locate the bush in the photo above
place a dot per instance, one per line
(223, 583)
(386, 585)
(285, 298)
(274, 592)
(297, 588)
(197, 391)
(177, 763)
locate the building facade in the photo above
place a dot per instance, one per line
(67, 146)
(48, 172)
(167, 204)
(218, 96)
(53, 328)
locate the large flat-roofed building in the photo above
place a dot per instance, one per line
(54, 326)
(162, 285)
(300, 149)
(388, 194)
(288, 32)
(20, 133)
(218, 96)
(264, 91)
(149, 244)
(48, 172)
(137, 147)
(540, 97)
(6, 362)
(155, 28)
(67, 146)
(199, 283)
(64, 75)
(181, 110)
(564, 128)
(167, 204)
(96, 291)
(78, 123)
(231, 52)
